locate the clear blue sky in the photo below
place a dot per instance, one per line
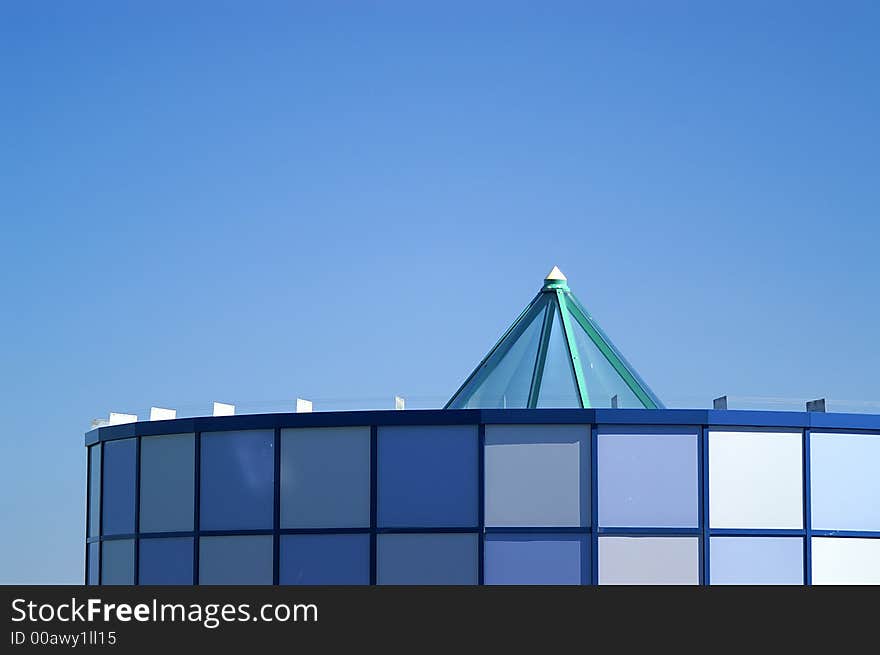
(253, 201)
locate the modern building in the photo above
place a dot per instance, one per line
(554, 463)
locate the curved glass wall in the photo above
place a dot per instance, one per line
(540, 496)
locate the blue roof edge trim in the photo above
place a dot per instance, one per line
(635, 417)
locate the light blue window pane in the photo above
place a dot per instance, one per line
(648, 480)
(117, 562)
(537, 475)
(845, 481)
(325, 559)
(94, 563)
(756, 560)
(558, 386)
(426, 559)
(167, 482)
(118, 493)
(166, 561)
(237, 480)
(602, 379)
(95, 490)
(325, 478)
(509, 375)
(235, 560)
(649, 560)
(427, 476)
(536, 559)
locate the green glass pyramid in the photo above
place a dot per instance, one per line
(554, 355)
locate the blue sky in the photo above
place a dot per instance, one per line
(255, 201)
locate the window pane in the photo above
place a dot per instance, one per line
(845, 483)
(558, 386)
(93, 563)
(648, 480)
(166, 561)
(325, 559)
(237, 480)
(117, 565)
(95, 490)
(755, 480)
(602, 379)
(537, 475)
(756, 560)
(427, 476)
(846, 560)
(536, 559)
(118, 493)
(236, 560)
(427, 559)
(167, 481)
(325, 478)
(649, 560)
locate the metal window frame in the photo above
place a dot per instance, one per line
(699, 421)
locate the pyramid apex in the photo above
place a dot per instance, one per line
(555, 276)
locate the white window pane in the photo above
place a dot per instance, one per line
(537, 475)
(649, 560)
(845, 483)
(846, 560)
(755, 480)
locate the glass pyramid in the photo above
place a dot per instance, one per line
(554, 355)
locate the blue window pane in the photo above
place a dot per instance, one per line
(117, 562)
(166, 561)
(95, 490)
(93, 563)
(537, 475)
(167, 482)
(237, 480)
(536, 559)
(427, 476)
(325, 559)
(426, 559)
(648, 480)
(756, 560)
(845, 483)
(236, 560)
(118, 494)
(325, 478)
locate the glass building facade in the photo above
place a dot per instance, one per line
(481, 496)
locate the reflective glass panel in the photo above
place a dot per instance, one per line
(325, 478)
(649, 560)
(427, 559)
(746, 469)
(166, 561)
(245, 560)
(117, 562)
(93, 563)
(427, 476)
(95, 490)
(167, 483)
(845, 481)
(118, 494)
(536, 559)
(537, 475)
(602, 379)
(757, 560)
(648, 480)
(558, 386)
(846, 560)
(237, 480)
(325, 559)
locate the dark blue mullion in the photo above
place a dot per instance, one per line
(756, 532)
(374, 495)
(705, 540)
(808, 519)
(276, 511)
(852, 534)
(649, 532)
(101, 518)
(457, 529)
(531, 529)
(481, 503)
(137, 509)
(594, 504)
(197, 503)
